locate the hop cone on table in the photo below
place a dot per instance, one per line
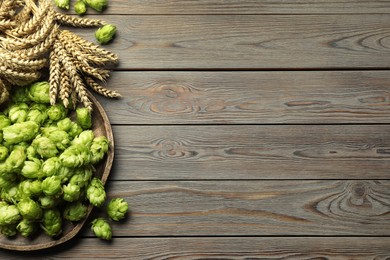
(31, 39)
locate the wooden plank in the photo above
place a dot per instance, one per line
(250, 41)
(298, 97)
(252, 152)
(245, 7)
(253, 208)
(344, 248)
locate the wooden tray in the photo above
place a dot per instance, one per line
(101, 126)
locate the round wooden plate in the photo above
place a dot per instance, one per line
(101, 126)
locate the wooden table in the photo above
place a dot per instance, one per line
(248, 130)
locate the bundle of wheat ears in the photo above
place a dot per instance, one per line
(31, 39)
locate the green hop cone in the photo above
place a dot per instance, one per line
(75, 156)
(20, 132)
(99, 148)
(3, 153)
(51, 186)
(39, 91)
(85, 138)
(45, 147)
(84, 117)
(105, 33)
(11, 193)
(20, 94)
(82, 176)
(96, 193)
(27, 227)
(37, 113)
(57, 112)
(48, 202)
(31, 153)
(16, 158)
(63, 4)
(74, 130)
(32, 169)
(18, 112)
(9, 230)
(101, 228)
(9, 214)
(29, 209)
(71, 192)
(52, 222)
(65, 124)
(75, 211)
(30, 188)
(80, 7)
(60, 139)
(51, 166)
(4, 121)
(117, 209)
(98, 5)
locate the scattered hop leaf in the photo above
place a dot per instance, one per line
(27, 227)
(9, 214)
(80, 7)
(75, 211)
(18, 112)
(57, 112)
(96, 193)
(51, 186)
(117, 209)
(52, 222)
(98, 5)
(84, 117)
(32, 169)
(8, 230)
(3, 153)
(29, 209)
(39, 91)
(45, 147)
(105, 33)
(101, 228)
(71, 192)
(20, 132)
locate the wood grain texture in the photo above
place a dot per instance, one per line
(245, 7)
(254, 208)
(250, 41)
(314, 97)
(239, 248)
(251, 152)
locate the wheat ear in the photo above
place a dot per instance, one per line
(4, 94)
(54, 77)
(77, 21)
(91, 47)
(101, 90)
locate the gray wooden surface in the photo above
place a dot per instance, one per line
(247, 130)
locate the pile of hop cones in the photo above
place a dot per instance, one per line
(31, 40)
